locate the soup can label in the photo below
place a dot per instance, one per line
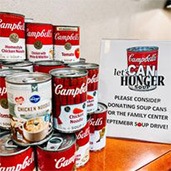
(83, 145)
(58, 153)
(67, 43)
(12, 37)
(4, 109)
(39, 41)
(142, 65)
(92, 84)
(15, 158)
(98, 128)
(30, 106)
(69, 99)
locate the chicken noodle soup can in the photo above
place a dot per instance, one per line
(30, 107)
(69, 99)
(67, 43)
(58, 153)
(12, 37)
(98, 128)
(46, 66)
(39, 41)
(92, 84)
(18, 65)
(4, 109)
(142, 65)
(83, 145)
(14, 157)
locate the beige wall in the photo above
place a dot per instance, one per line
(119, 19)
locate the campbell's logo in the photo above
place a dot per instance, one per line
(93, 79)
(37, 34)
(12, 26)
(3, 90)
(148, 58)
(60, 90)
(27, 162)
(63, 162)
(97, 122)
(35, 98)
(73, 36)
(83, 134)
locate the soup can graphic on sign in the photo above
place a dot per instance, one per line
(12, 37)
(39, 41)
(4, 109)
(83, 145)
(58, 153)
(92, 84)
(67, 43)
(46, 66)
(30, 106)
(14, 157)
(18, 65)
(98, 121)
(69, 99)
(142, 67)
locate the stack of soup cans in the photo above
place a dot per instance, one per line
(50, 117)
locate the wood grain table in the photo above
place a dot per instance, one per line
(130, 155)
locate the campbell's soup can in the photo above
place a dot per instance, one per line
(4, 109)
(39, 41)
(18, 65)
(142, 65)
(92, 84)
(98, 121)
(14, 157)
(12, 37)
(30, 106)
(46, 66)
(69, 99)
(58, 153)
(67, 43)
(83, 145)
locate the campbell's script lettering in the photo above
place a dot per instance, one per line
(37, 34)
(73, 36)
(60, 90)
(12, 26)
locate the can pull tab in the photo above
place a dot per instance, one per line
(9, 144)
(54, 143)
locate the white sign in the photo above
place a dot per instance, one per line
(135, 84)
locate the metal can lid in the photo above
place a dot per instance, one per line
(18, 64)
(49, 63)
(28, 78)
(84, 65)
(143, 49)
(9, 72)
(8, 147)
(68, 72)
(101, 108)
(12, 14)
(59, 142)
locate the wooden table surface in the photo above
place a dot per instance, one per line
(130, 155)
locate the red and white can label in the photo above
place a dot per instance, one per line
(61, 158)
(83, 145)
(39, 41)
(69, 99)
(92, 84)
(12, 37)
(4, 111)
(98, 128)
(67, 43)
(142, 63)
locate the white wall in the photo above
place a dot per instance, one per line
(120, 19)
